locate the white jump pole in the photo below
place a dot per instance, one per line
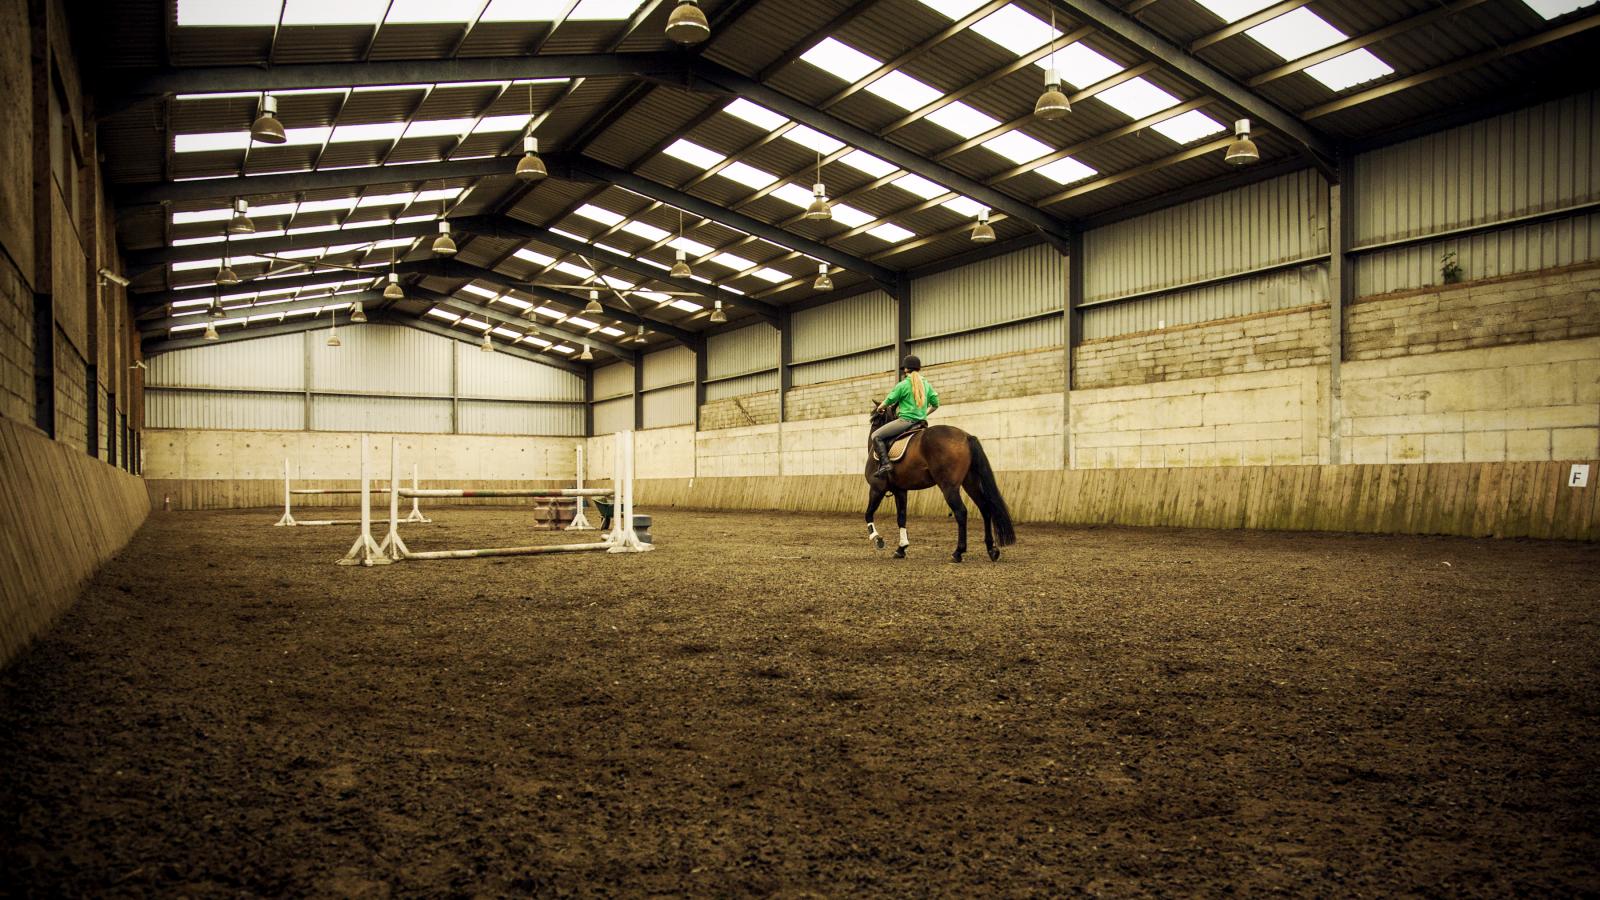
(288, 517)
(579, 521)
(365, 551)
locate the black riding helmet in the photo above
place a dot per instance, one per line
(911, 364)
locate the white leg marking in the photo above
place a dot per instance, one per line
(904, 541)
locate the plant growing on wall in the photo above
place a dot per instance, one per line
(1449, 268)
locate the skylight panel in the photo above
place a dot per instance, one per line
(382, 131)
(694, 247)
(238, 13)
(550, 312)
(770, 275)
(961, 119)
(794, 195)
(440, 128)
(517, 302)
(568, 234)
(201, 215)
(609, 331)
(1080, 66)
(759, 116)
(1296, 33)
(574, 270)
(891, 232)
(481, 292)
(563, 348)
(446, 315)
(919, 186)
(499, 124)
(1349, 69)
(685, 305)
(334, 12)
(840, 60)
(317, 206)
(862, 161)
(693, 154)
(737, 263)
(953, 9)
(537, 341)
(475, 323)
(657, 296)
(523, 11)
(1066, 171)
(1234, 10)
(614, 281)
(427, 12)
(1017, 147)
(434, 196)
(1137, 98)
(581, 322)
(506, 332)
(384, 200)
(206, 143)
(904, 91)
(1551, 9)
(1189, 127)
(647, 231)
(963, 206)
(597, 214)
(534, 257)
(747, 175)
(1015, 30)
(850, 216)
(812, 139)
(313, 229)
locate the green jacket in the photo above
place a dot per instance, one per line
(905, 402)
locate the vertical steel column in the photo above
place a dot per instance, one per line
(307, 347)
(588, 403)
(91, 374)
(1341, 291)
(455, 387)
(1071, 331)
(638, 390)
(44, 315)
(785, 355)
(902, 319)
(44, 364)
(699, 377)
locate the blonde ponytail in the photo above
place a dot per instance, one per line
(919, 389)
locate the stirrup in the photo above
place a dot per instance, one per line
(885, 469)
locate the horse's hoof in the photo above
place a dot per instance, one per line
(877, 542)
(900, 553)
(956, 556)
(994, 555)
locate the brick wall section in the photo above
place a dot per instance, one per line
(1557, 304)
(72, 397)
(740, 412)
(837, 398)
(997, 377)
(16, 345)
(1256, 343)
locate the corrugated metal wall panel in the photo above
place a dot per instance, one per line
(988, 292)
(744, 384)
(1527, 248)
(1278, 220)
(1019, 338)
(741, 352)
(613, 415)
(504, 417)
(669, 406)
(869, 363)
(614, 380)
(845, 326)
(235, 411)
(274, 362)
(1279, 290)
(383, 359)
(503, 375)
(402, 414)
(674, 365)
(1540, 158)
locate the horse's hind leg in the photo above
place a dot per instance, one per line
(975, 490)
(900, 504)
(952, 496)
(872, 510)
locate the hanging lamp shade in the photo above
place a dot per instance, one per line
(593, 307)
(215, 310)
(240, 223)
(680, 269)
(717, 315)
(266, 129)
(211, 333)
(333, 337)
(530, 167)
(487, 346)
(587, 353)
(983, 232)
(226, 276)
(1052, 103)
(638, 337)
(443, 244)
(358, 313)
(820, 209)
(823, 282)
(1242, 151)
(392, 290)
(687, 24)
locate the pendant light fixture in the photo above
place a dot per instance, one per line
(393, 291)
(587, 354)
(226, 276)
(214, 310)
(687, 24)
(1242, 152)
(983, 232)
(487, 346)
(638, 337)
(717, 315)
(1052, 103)
(358, 313)
(211, 332)
(820, 209)
(266, 129)
(593, 307)
(680, 269)
(530, 167)
(823, 282)
(443, 245)
(333, 332)
(240, 223)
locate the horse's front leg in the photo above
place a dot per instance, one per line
(952, 496)
(900, 504)
(873, 500)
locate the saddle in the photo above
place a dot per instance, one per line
(897, 449)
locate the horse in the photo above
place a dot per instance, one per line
(948, 457)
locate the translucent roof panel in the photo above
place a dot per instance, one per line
(1234, 10)
(960, 119)
(952, 9)
(693, 154)
(1015, 30)
(1296, 33)
(840, 60)
(333, 12)
(1137, 98)
(850, 216)
(919, 186)
(862, 161)
(1017, 147)
(963, 206)
(794, 195)
(1188, 127)
(1550, 9)
(812, 139)
(233, 13)
(892, 233)
(747, 175)
(1066, 171)
(1349, 70)
(426, 12)
(903, 91)
(759, 116)
(1080, 66)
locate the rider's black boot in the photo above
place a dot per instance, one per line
(884, 465)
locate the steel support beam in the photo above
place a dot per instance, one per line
(505, 226)
(705, 209)
(154, 327)
(473, 339)
(149, 305)
(141, 260)
(721, 79)
(495, 316)
(231, 335)
(1341, 293)
(1322, 151)
(128, 196)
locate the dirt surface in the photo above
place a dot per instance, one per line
(766, 706)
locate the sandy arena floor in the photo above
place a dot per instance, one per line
(765, 706)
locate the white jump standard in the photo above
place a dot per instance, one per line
(289, 492)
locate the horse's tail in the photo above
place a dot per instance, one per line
(1005, 535)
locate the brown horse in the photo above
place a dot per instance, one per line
(950, 458)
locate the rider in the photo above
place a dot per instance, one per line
(913, 398)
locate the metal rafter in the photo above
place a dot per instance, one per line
(161, 325)
(300, 182)
(156, 347)
(141, 260)
(518, 351)
(145, 303)
(1363, 40)
(463, 306)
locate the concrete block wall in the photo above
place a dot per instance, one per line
(1276, 340)
(740, 412)
(843, 397)
(16, 345)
